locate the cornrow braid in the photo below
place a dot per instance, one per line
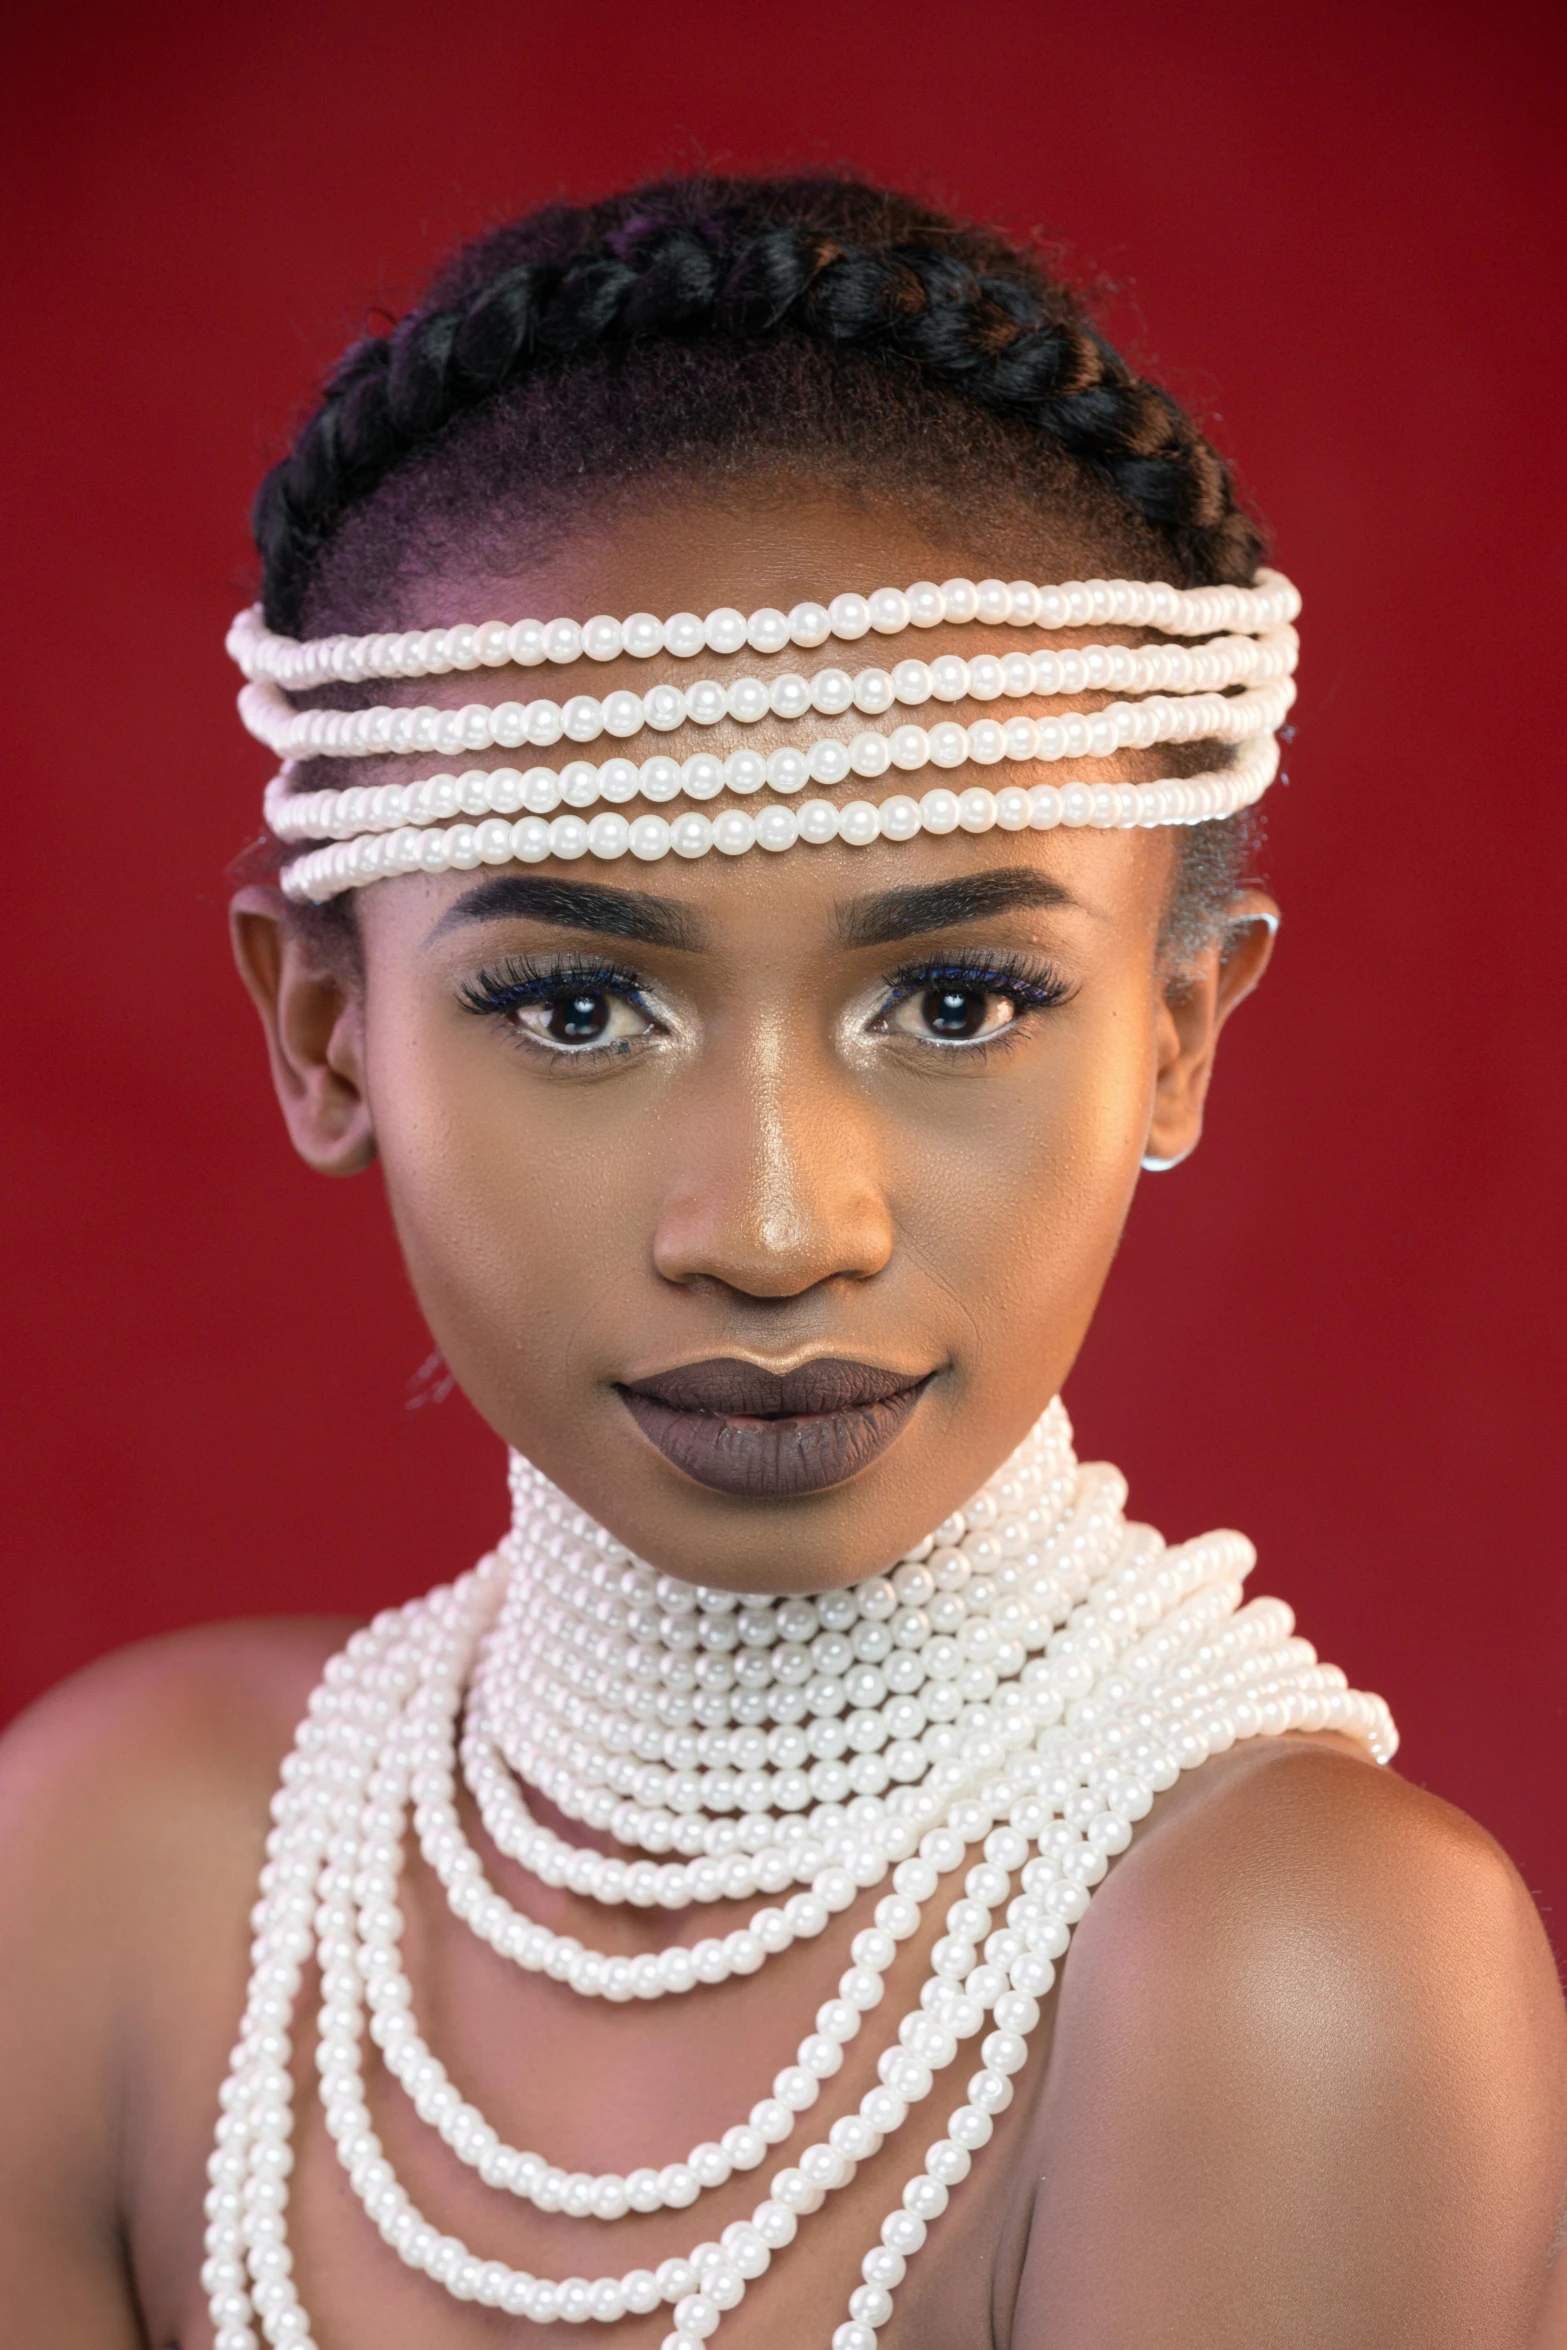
(712, 268)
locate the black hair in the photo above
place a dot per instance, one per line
(703, 328)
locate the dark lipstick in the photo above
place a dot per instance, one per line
(740, 1429)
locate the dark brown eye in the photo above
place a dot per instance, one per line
(574, 1019)
(954, 1012)
(577, 1019)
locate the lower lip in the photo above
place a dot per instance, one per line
(766, 1458)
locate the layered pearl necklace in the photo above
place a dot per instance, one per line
(1000, 1708)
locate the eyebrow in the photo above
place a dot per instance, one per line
(942, 905)
(574, 905)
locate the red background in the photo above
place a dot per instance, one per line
(1338, 232)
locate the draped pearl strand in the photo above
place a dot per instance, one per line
(434, 652)
(337, 815)
(1235, 689)
(500, 840)
(1006, 1702)
(1198, 675)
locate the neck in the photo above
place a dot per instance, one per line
(690, 1721)
(1006, 1701)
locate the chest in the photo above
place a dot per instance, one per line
(599, 2089)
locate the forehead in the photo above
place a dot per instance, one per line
(760, 536)
(1074, 893)
(767, 538)
(763, 537)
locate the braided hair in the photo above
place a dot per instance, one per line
(699, 328)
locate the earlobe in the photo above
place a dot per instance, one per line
(312, 1015)
(1190, 1018)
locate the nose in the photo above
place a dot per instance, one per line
(777, 1186)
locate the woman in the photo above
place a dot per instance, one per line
(834, 1787)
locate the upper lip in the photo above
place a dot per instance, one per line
(731, 1388)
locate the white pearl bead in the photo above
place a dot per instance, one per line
(849, 616)
(568, 837)
(644, 635)
(899, 818)
(608, 836)
(776, 828)
(767, 630)
(809, 625)
(725, 629)
(690, 836)
(787, 771)
(817, 821)
(939, 811)
(733, 832)
(684, 635)
(602, 637)
(903, 2231)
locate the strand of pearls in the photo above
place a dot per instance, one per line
(350, 864)
(435, 652)
(337, 815)
(1115, 1664)
(1235, 689)
(639, 1705)
(384, 731)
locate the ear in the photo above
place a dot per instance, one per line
(1193, 1010)
(311, 1009)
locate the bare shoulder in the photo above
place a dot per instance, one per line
(1306, 1836)
(229, 1671)
(1311, 2032)
(149, 1768)
(190, 1720)
(133, 1812)
(138, 1791)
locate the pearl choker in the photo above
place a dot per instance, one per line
(1004, 1703)
(1235, 689)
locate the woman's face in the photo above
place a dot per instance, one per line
(763, 1202)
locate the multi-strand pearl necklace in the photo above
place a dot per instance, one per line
(1001, 1707)
(1236, 690)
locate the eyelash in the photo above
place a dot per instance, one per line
(519, 981)
(1030, 987)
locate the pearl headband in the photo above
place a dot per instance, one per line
(1235, 689)
(377, 733)
(343, 660)
(1200, 799)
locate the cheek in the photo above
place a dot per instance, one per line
(510, 1226)
(1016, 1196)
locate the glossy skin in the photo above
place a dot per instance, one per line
(1305, 2077)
